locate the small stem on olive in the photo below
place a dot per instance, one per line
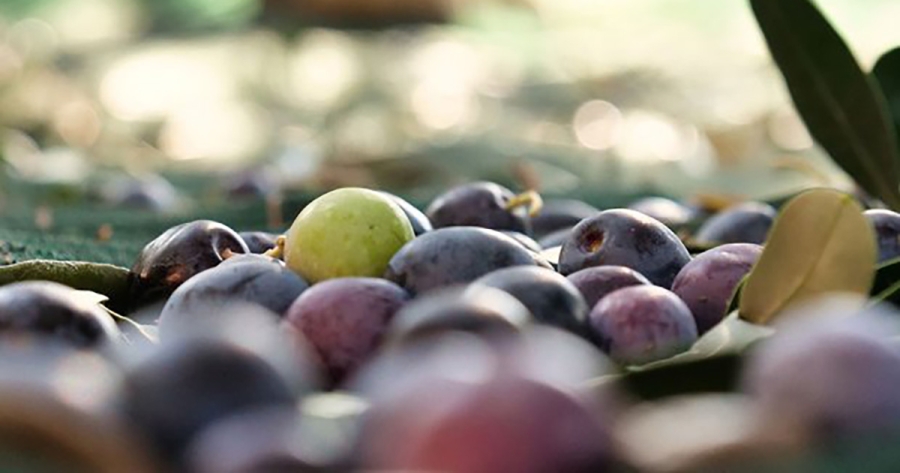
(278, 251)
(529, 198)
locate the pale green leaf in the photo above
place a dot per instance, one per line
(821, 243)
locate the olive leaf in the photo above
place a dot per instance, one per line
(552, 255)
(887, 74)
(133, 331)
(90, 297)
(108, 280)
(735, 301)
(730, 337)
(840, 104)
(712, 364)
(886, 287)
(886, 275)
(820, 243)
(713, 374)
(890, 295)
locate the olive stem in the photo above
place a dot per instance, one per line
(227, 253)
(529, 198)
(278, 251)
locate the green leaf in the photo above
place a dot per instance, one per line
(714, 374)
(91, 297)
(106, 279)
(730, 337)
(712, 364)
(890, 295)
(735, 301)
(820, 243)
(133, 331)
(552, 254)
(886, 287)
(886, 275)
(840, 104)
(887, 73)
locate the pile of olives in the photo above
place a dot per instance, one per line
(489, 333)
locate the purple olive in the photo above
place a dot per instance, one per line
(549, 296)
(743, 223)
(526, 241)
(259, 242)
(505, 424)
(250, 278)
(596, 282)
(180, 253)
(640, 324)
(707, 283)
(479, 204)
(665, 210)
(887, 231)
(475, 309)
(345, 319)
(831, 376)
(457, 255)
(211, 370)
(559, 214)
(555, 238)
(627, 238)
(49, 310)
(185, 387)
(417, 219)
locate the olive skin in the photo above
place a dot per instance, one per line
(479, 204)
(559, 214)
(667, 211)
(707, 283)
(344, 319)
(887, 232)
(640, 324)
(481, 310)
(743, 223)
(186, 386)
(548, 295)
(417, 219)
(250, 278)
(524, 240)
(598, 281)
(48, 309)
(506, 424)
(456, 255)
(627, 238)
(829, 375)
(259, 242)
(180, 253)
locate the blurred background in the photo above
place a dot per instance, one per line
(576, 97)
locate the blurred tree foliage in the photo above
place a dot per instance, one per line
(200, 15)
(164, 16)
